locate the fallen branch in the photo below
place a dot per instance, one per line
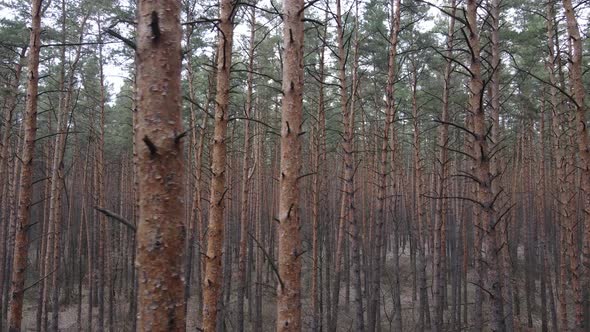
(116, 217)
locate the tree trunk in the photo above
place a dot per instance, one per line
(161, 228)
(318, 187)
(289, 288)
(581, 296)
(347, 200)
(495, 162)
(420, 208)
(213, 274)
(21, 245)
(244, 212)
(8, 116)
(488, 266)
(440, 238)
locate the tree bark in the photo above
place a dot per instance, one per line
(213, 274)
(21, 245)
(318, 187)
(581, 296)
(347, 199)
(8, 116)
(440, 238)
(289, 288)
(244, 212)
(488, 261)
(161, 228)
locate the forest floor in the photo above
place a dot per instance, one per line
(68, 316)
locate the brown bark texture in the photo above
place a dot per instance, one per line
(289, 228)
(21, 244)
(215, 233)
(161, 227)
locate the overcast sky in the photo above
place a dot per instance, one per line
(116, 73)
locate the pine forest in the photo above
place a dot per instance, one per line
(294, 165)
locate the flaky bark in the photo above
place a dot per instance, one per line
(161, 228)
(289, 287)
(215, 234)
(21, 244)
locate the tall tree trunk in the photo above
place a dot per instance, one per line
(245, 208)
(318, 187)
(581, 296)
(440, 237)
(8, 118)
(557, 151)
(488, 265)
(420, 208)
(161, 228)
(355, 240)
(542, 246)
(495, 166)
(103, 243)
(347, 200)
(215, 234)
(21, 245)
(386, 145)
(289, 288)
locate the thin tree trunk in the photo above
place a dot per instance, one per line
(84, 220)
(8, 116)
(104, 276)
(215, 234)
(318, 187)
(440, 238)
(560, 161)
(347, 200)
(244, 212)
(57, 181)
(355, 241)
(420, 240)
(495, 166)
(21, 245)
